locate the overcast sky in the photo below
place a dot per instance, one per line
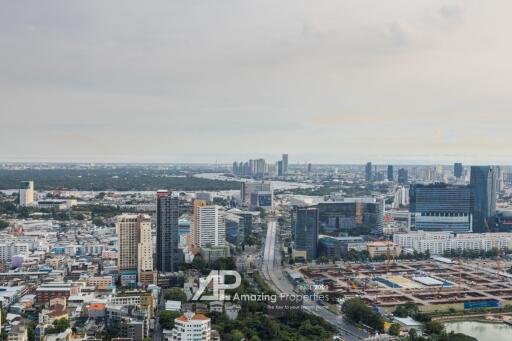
(218, 80)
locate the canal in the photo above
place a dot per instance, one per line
(482, 331)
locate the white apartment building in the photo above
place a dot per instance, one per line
(211, 227)
(26, 193)
(191, 327)
(8, 249)
(439, 242)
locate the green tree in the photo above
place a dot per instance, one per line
(3, 224)
(166, 318)
(434, 328)
(175, 294)
(394, 329)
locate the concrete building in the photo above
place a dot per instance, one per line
(383, 248)
(438, 243)
(191, 327)
(368, 176)
(136, 246)
(247, 188)
(26, 193)
(391, 176)
(284, 161)
(18, 333)
(195, 218)
(211, 227)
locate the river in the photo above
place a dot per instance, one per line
(276, 185)
(482, 331)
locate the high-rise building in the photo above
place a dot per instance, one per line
(391, 177)
(368, 172)
(211, 228)
(306, 230)
(341, 216)
(135, 246)
(483, 185)
(195, 220)
(280, 168)
(26, 193)
(457, 169)
(285, 164)
(440, 207)
(403, 176)
(168, 254)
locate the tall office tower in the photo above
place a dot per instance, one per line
(211, 227)
(280, 168)
(261, 167)
(310, 168)
(135, 246)
(440, 207)
(403, 176)
(306, 230)
(235, 169)
(457, 169)
(26, 193)
(195, 223)
(285, 164)
(500, 184)
(483, 185)
(168, 254)
(368, 172)
(391, 177)
(340, 216)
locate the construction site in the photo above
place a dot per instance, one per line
(437, 284)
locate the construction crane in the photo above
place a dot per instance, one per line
(498, 253)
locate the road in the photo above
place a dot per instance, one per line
(274, 275)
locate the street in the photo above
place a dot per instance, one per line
(273, 273)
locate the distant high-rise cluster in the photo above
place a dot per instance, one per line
(258, 168)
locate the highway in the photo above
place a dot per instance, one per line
(274, 275)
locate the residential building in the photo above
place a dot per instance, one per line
(168, 254)
(368, 176)
(191, 327)
(26, 193)
(284, 160)
(403, 176)
(211, 227)
(383, 248)
(136, 246)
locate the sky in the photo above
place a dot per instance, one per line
(216, 81)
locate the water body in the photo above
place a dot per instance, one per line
(482, 331)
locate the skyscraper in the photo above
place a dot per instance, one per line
(368, 172)
(26, 193)
(440, 207)
(391, 177)
(285, 164)
(168, 254)
(457, 169)
(135, 246)
(306, 230)
(403, 176)
(195, 220)
(211, 228)
(280, 168)
(483, 186)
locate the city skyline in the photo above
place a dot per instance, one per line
(326, 83)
